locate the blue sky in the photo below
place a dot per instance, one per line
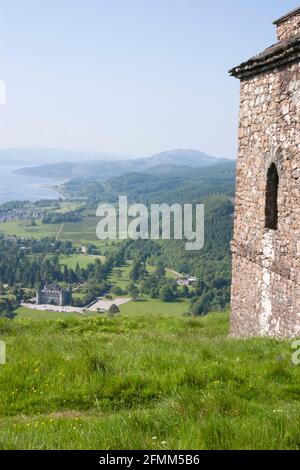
(129, 76)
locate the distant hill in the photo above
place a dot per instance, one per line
(160, 170)
(39, 155)
(187, 157)
(104, 170)
(186, 185)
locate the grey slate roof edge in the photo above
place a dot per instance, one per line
(283, 18)
(275, 56)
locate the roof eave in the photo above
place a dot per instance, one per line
(289, 15)
(282, 55)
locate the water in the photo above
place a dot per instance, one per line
(19, 187)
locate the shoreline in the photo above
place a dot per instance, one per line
(17, 186)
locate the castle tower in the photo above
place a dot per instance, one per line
(266, 246)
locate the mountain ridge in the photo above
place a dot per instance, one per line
(103, 170)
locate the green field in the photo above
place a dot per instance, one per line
(169, 273)
(68, 206)
(147, 381)
(21, 228)
(27, 313)
(144, 305)
(148, 306)
(125, 280)
(82, 260)
(80, 233)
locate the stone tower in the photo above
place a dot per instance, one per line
(266, 246)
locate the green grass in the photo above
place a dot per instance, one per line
(79, 294)
(80, 233)
(68, 206)
(82, 260)
(124, 280)
(148, 306)
(169, 273)
(145, 381)
(21, 228)
(28, 313)
(84, 232)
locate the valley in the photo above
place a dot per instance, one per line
(158, 373)
(73, 221)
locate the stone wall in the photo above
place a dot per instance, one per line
(266, 263)
(289, 28)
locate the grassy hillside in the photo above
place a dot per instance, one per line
(180, 186)
(147, 381)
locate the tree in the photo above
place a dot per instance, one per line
(92, 249)
(18, 293)
(5, 307)
(138, 271)
(66, 274)
(185, 292)
(150, 282)
(201, 306)
(119, 273)
(166, 293)
(116, 290)
(160, 270)
(154, 292)
(77, 271)
(133, 291)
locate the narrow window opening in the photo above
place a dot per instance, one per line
(272, 198)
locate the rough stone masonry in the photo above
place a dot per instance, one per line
(266, 246)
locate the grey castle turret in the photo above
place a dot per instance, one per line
(266, 246)
(54, 295)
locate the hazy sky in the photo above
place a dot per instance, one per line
(131, 76)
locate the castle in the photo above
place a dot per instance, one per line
(266, 246)
(54, 295)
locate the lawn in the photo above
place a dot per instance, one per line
(28, 313)
(80, 233)
(21, 228)
(125, 280)
(147, 306)
(84, 232)
(169, 273)
(145, 381)
(82, 260)
(68, 206)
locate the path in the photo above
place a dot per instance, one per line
(60, 231)
(75, 289)
(106, 304)
(174, 272)
(52, 308)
